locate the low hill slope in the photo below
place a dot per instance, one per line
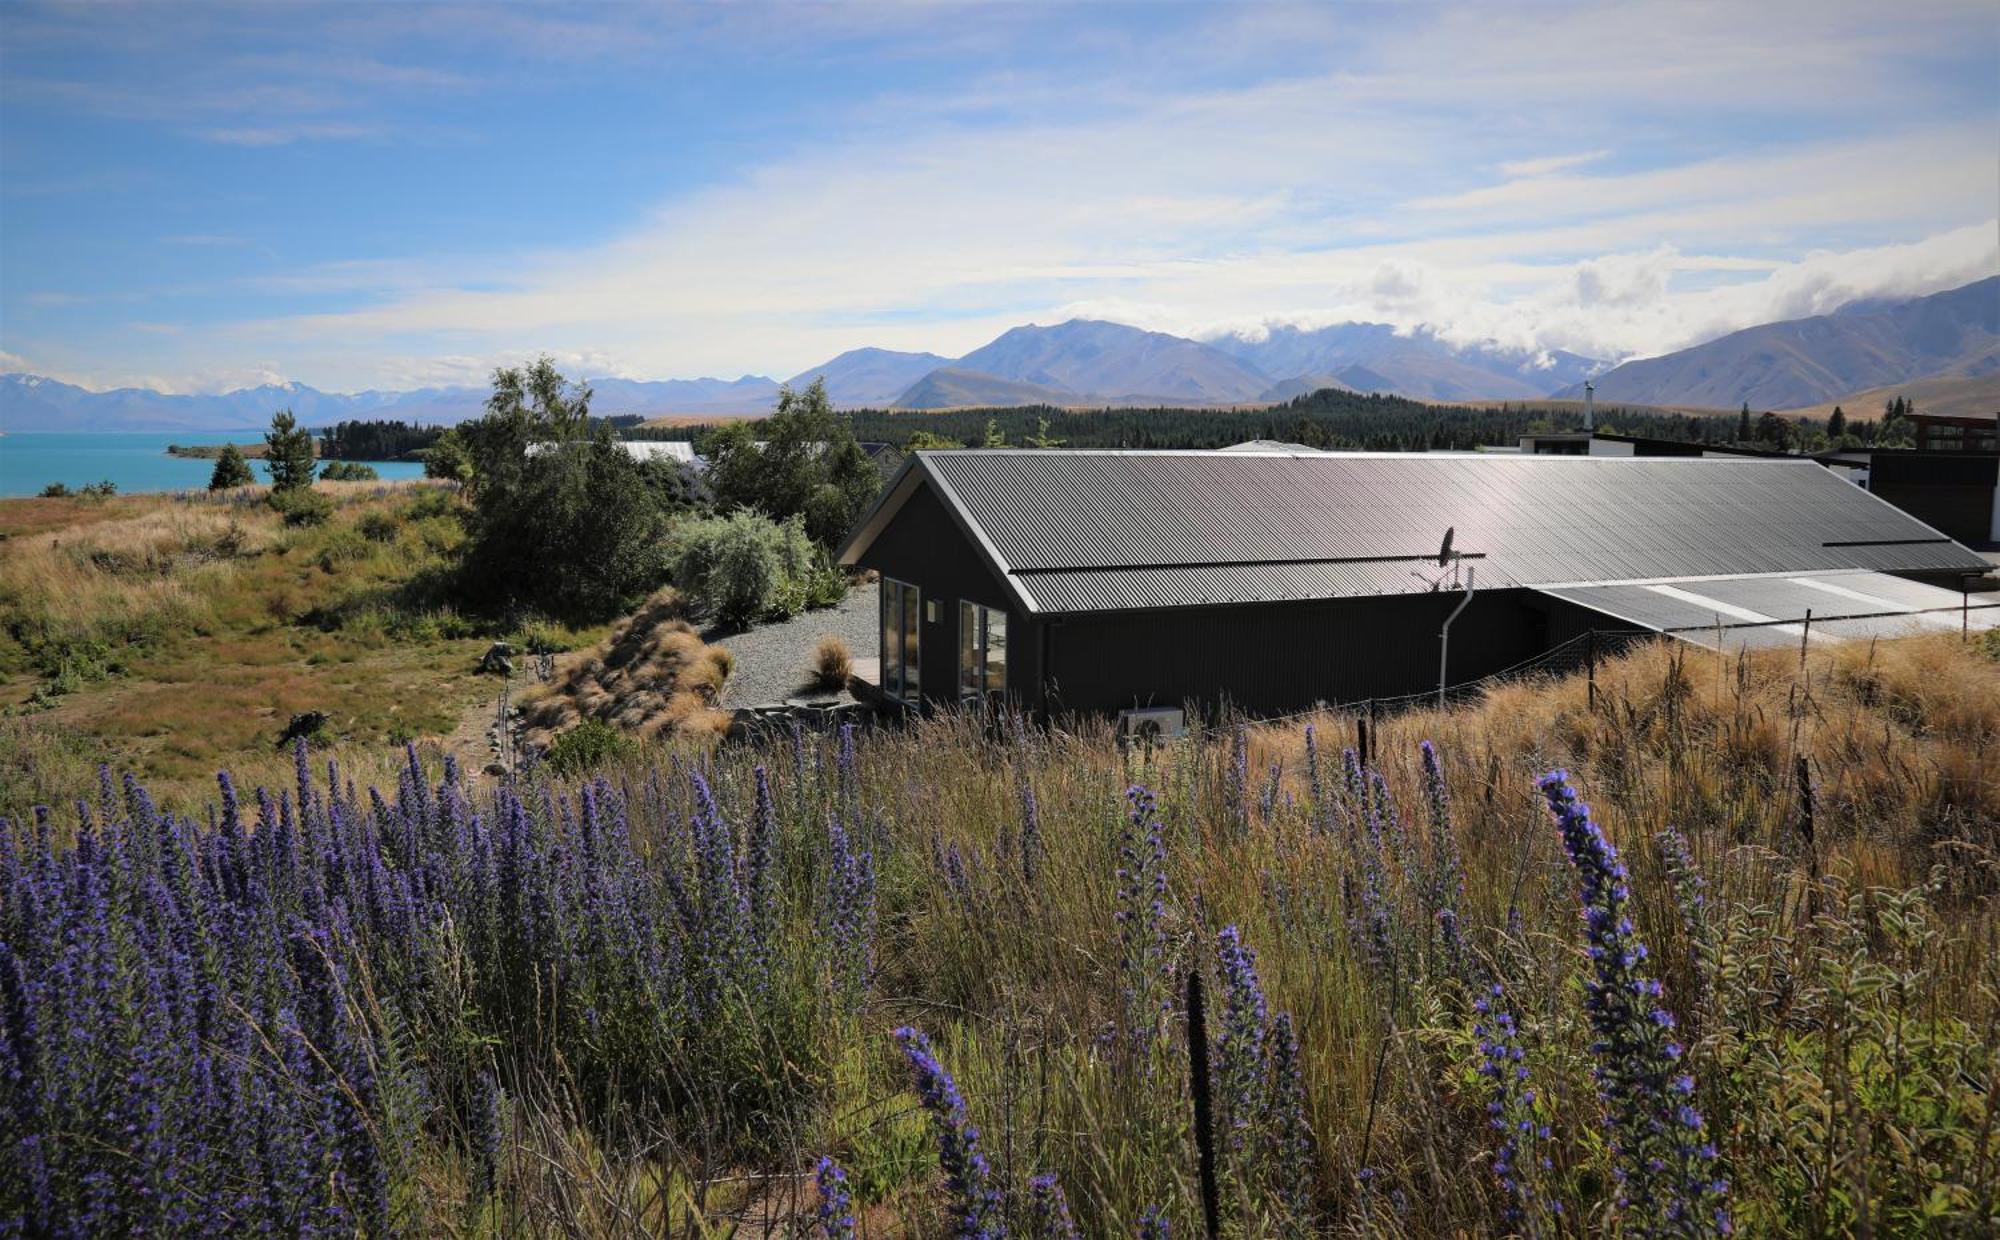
(1810, 361)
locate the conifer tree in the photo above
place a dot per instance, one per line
(231, 470)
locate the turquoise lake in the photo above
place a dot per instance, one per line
(135, 461)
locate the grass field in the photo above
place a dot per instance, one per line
(655, 1001)
(175, 635)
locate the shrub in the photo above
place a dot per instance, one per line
(300, 506)
(56, 490)
(745, 567)
(588, 745)
(349, 471)
(431, 502)
(832, 664)
(379, 527)
(342, 547)
(99, 490)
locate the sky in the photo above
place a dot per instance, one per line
(375, 195)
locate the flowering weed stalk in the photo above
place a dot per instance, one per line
(977, 1206)
(1665, 1163)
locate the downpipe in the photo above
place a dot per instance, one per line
(1444, 634)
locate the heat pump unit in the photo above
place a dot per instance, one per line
(1152, 724)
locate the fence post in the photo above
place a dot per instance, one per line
(1361, 734)
(1373, 728)
(1805, 633)
(1590, 663)
(1204, 1118)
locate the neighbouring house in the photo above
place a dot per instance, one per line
(1950, 479)
(680, 451)
(1119, 581)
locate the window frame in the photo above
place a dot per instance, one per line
(899, 630)
(977, 678)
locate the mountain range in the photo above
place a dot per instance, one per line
(1805, 362)
(1949, 340)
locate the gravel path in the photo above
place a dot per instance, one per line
(772, 659)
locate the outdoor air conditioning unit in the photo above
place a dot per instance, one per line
(1152, 724)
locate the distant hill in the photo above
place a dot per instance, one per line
(34, 403)
(1807, 362)
(952, 387)
(1094, 362)
(1375, 357)
(752, 394)
(1948, 340)
(1955, 396)
(870, 376)
(1303, 385)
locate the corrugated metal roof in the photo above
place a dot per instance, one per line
(1086, 531)
(1773, 610)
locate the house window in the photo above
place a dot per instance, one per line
(982, 650)
(902, 614)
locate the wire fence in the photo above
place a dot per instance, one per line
(1579, 654)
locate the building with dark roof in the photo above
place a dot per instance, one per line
(1107, 581)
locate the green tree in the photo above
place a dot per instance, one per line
(529, 405)
(809, 465)
(1836, 425)
(576, 527)
(1743, 424)
(1041, 438)
(925, 441)
(288, 453)
(994, 437)
(231, 470)
(449, 458)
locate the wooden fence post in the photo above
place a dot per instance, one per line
(1204, 1115)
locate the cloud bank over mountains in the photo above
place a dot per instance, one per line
(399, 201)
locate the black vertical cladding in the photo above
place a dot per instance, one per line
(1274, 657)
(926, 547)
(1953, 491)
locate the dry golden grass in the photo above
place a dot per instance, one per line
(653, 676)
(174, 635)
(832, 663)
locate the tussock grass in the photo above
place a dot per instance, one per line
(652, 677)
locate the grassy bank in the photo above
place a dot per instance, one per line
(654, 1002)
(174, 635)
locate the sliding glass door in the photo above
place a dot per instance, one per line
(902, 624)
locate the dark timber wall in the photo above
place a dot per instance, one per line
(925, 547)
(1276, 657)
(1952, 491)
(1266, 658)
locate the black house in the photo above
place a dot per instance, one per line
(1108, 581)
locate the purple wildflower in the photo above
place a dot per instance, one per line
(1518, 1165)
(1142, 924)
(977, 1207)
(1049, 1209)
(1239, 1046)
(836, 1205)
(1664, 1163)
(1153, 1224)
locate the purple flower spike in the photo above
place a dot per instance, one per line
(1667, 1183)
(968, 1177)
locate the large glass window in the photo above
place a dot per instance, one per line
(902, 622)
(982, 650)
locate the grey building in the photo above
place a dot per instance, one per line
(1113, 581)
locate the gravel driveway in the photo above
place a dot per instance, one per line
(773, 660)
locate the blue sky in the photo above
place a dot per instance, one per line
(206, 196)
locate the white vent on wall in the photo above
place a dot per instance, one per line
(1152, 724)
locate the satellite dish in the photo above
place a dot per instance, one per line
(1444, 551)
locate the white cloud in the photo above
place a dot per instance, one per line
(1546, 164)
(1358, 186)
